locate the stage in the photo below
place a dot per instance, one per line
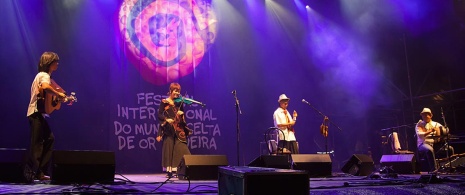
(337, 183)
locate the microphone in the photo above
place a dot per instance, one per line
(303, 100)
(273, 128)
(233, 92)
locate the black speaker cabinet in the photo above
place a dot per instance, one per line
(261, 180)
(271, 161)
(316, 165)
(359, 165)
(200, 167)
(13, 166)
(87, 167)
(400, 163)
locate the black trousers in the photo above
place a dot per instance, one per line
(41, 145)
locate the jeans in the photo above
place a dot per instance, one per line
(428, 151)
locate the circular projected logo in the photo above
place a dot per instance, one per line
(166, 39)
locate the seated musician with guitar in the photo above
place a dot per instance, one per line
(427, 132)
(285, 123)
(42, 138)
(173, 130)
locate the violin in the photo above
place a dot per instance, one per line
(188, 101)
(324, 127)
(183, 100)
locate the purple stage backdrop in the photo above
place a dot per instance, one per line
(354, 61)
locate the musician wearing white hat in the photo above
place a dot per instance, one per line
(427, 131)
(285, 122)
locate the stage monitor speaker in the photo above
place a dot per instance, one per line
(200, 167)
(400, 163)
(13, 166)
(316, 165)
(86, 167)
(359, 165)
(271, 161)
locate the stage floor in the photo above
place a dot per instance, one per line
(338, 183)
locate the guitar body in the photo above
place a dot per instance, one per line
(47, 102)
(52, 103)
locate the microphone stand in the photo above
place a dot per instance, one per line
(238, 111)
(446, 140)
(331, 122)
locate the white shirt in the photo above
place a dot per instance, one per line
(421, 137)
(280, 118)
(41, 77)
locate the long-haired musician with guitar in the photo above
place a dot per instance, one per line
(285, 123)
(42, 138)
(173, 130)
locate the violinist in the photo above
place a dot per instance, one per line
(173, 130)
(285, 123)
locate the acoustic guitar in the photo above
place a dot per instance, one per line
(48, 102)
(324, 127)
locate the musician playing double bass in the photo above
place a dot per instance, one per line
(285, 123)
(173, 130)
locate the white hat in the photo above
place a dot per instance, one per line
(283, 97)
(426, 110)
